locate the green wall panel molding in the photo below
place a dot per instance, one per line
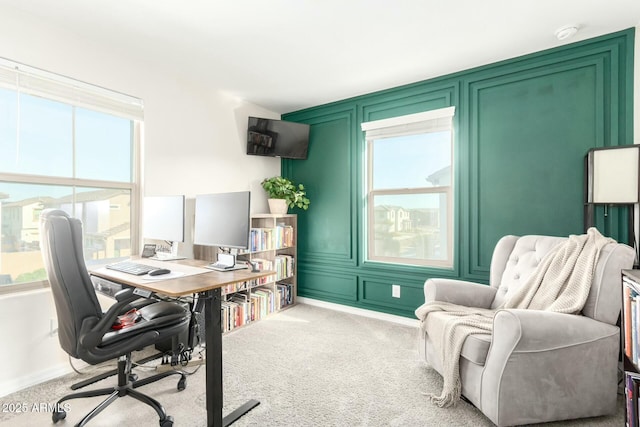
(377, 295)
(326, 231)
(522, 128)
(528, 134)
(386, 107)
(328, 286)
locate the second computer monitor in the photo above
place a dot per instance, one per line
(223, 220)
(163, 218)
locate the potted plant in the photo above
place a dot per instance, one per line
(284, 194)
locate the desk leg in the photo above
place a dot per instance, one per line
(213, 343)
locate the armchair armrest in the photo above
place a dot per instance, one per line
(520, 330)
(541, 349)
(459, 292)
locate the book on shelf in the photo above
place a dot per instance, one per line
(242, 308)
(236, 287)
(285, 292)
(631, 317)
(632, 387)
(626, 312)
(284, 266)
(262, 264)
(233, 313)
(226, 311)
(265, 239)
(271, 248)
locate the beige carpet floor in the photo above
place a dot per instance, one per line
(308, 366)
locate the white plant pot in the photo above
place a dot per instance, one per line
(278, 206)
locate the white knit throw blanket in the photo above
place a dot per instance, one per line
(561, 283)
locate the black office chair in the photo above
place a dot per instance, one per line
(86, 333)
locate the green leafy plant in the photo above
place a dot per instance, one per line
(278, 187)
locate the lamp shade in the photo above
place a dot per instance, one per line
(613, 175)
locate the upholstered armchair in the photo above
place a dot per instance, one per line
(537, 366)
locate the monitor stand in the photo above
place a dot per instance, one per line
(226, 262)
(235, 267)
(169, 256)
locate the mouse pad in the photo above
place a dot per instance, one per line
(172, 275)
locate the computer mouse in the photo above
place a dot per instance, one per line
(159, 271)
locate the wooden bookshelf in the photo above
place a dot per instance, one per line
(273, 246)
(630, 335)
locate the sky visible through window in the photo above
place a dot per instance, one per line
(39, 140)
(413, 161)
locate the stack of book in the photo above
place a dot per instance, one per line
(236, 287)
(265, 239)
(632, 382)
(631, 314)
(284, 265)
(284, 295)
(234, 312)
(242, 308)
(284, 236)
(262, 303)
(631, 317)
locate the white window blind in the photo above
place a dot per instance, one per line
(411, 124)
(33, 81)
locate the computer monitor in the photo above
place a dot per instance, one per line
(163, 219)
(223, 220)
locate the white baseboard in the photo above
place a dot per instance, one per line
(360, 311)
(26, 381)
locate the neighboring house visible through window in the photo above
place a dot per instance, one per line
(68, 145)
(409, 189)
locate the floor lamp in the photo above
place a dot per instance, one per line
(612, 179)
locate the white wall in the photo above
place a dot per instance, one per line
(194, 143)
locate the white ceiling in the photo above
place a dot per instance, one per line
(289, 54)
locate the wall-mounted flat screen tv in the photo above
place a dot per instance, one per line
(277, 138)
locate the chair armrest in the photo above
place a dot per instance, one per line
(93, 329)
(520, 330)
(459, 292)
(141, 301)
(543, 357)
(124, 294)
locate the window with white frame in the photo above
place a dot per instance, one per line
(68, 145)
(409, 189)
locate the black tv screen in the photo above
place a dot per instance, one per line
(277, 138)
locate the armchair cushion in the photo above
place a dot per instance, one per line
(475, 347)
(526, 254)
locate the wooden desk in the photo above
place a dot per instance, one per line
(206, 283)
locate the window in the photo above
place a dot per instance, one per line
(68, 145)
(409, 205)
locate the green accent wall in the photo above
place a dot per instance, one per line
(522, 128)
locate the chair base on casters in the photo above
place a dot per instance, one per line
(107, 374)
(125, 387)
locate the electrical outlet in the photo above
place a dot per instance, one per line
(395, 291)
